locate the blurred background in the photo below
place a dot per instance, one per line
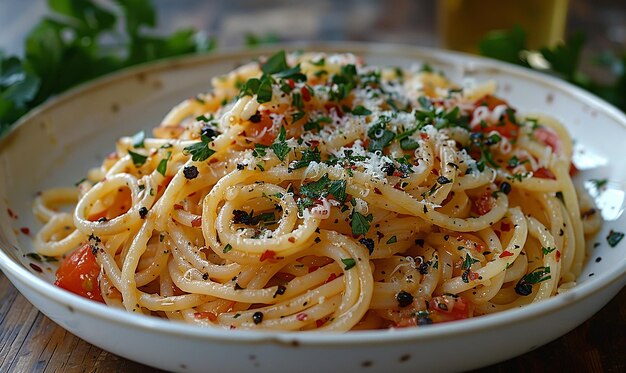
(62, 43)
(400, 21)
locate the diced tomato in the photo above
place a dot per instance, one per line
(490, 101)
(79, 274)
(268, 255)
(262, 131)
(549, 137)
(544, 173)
(471, 242)
(573, 171)
(196, 222)
(306, 95)
(507, 128)
(447, 308)
(330, 278)
(484, 204)
(205, 315)
(406, 322)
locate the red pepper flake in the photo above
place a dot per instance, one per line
(424, 136)
(330, 278)
(473, 276)
(291, 239)
(164, 184)
(306, 95)
(284, 277)
(313, 268)
(314, 143)
(558, 255)
(35, 267)
(484, 204)
(572, 169)
(319, 323)
(291, 83)
(302, 316)
(434, 172)
(505, 254)
(205, 315)
(397, 173)
(268, 255)
(12, 215)
(505, 227)
(196, 222)
(25, 230)
(398, 186)
(544, 173)
(377, 191)
(178, 207)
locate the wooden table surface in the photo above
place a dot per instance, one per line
(30, 342)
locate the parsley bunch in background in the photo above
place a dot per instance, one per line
(80, 41)
(563, 60)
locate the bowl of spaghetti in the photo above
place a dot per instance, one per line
(374, 205)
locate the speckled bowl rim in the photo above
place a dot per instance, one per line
(394, 336)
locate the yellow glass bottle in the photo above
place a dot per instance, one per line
(462, 23)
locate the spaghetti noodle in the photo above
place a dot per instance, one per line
(313, 192)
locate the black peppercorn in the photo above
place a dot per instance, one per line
(404, 299)
(257, 317)
(190, 172)
(143, 212)
(505, 187)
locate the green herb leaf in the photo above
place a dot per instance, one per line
(308, 156)
(361, 110)
(316, 189)
(599, 183)
(275, 64)
(360, 224)
(547, 250)
(393, 239)
(280, 147)
(614, 238)
(162, 167)
(468, 261)
(199, 151)
(138, 159)
(348, 263)
(227, 248)
(264, 93)
(505, 45)
(338, 189)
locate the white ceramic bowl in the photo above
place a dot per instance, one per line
(57, 143)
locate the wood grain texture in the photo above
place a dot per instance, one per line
(30, 342)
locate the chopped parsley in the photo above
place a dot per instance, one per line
(138, 159)
(162, 167)
(379, 135)
(227, 248)
(361, 110)
(614, 238)
(599, 183)
(360, 224)
(308, 156)
(393, 239)
(348, 263)
(280, 147)
(468, 261)
(199, 151)
(524, 286)
(547, 250)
